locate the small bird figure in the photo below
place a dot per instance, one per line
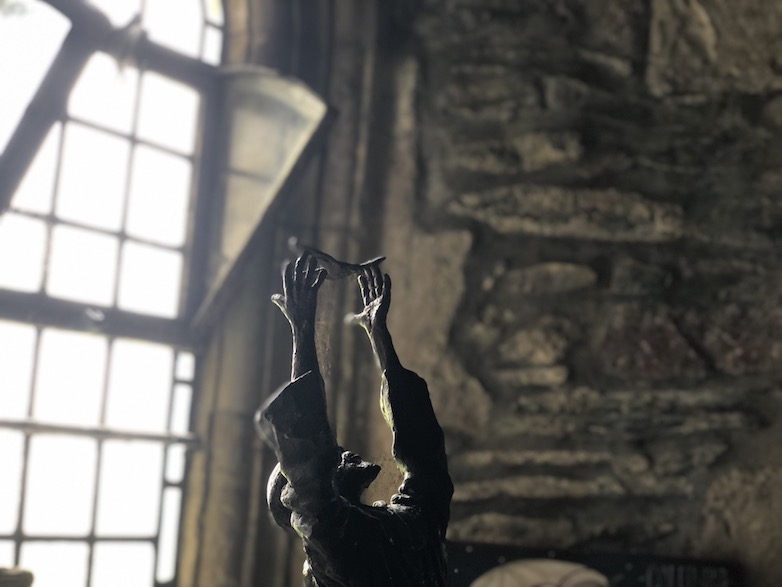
(334, 269)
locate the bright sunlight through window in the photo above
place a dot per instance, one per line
(95, 423)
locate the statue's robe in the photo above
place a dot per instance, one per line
(401, 544)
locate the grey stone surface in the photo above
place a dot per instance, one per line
(582, 215)
(543, 344)
(538, 487)
(424, 311)
(643, 211)
(645, 343)
(497, 528)
(631, 277)
(545, 279)
(542, 150)
(741, 522)
(549, 211)
(518, 379)
(740, 339)
(709, 46)
(525, 153)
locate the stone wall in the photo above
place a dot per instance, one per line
(582, 216)
(581, 204)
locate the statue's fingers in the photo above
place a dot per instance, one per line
(363, 286)
(386, 290)
(287, 279)
(301, 265)
(310, 270)
(320, 277)
(378, 279)
(369, 284)
(372, 283)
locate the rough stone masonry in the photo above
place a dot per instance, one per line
(606, 176)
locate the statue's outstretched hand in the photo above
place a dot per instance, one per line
(300, 284)
(376, 294)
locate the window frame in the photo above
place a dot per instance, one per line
(92, 32)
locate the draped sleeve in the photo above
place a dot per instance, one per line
(295, 423)
(418, 444)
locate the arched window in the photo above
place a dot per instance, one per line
(107, 112)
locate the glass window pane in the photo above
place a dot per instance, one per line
(35, 30)
(35, 192)
(149, 280)
(168, 112)
(60, 486)
(123, 564)
(129, 488)
(169, 535)
(11, 456)
(23, 246)
(105, 94)
(56, 564)
(7, 552)
(214, 11)
(175, 24)
(213, 46)
(120, 12)
(82, 266)
(69, 385)
(17, 348)
(139, 386)
(175, 463)
(180, 411)
(159, 194)
(185, 366)
(92, 177)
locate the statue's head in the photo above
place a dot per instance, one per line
(352, 477)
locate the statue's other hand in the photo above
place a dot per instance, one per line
(300, 284)
(376, 295)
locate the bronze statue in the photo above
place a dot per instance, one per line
(316, 486)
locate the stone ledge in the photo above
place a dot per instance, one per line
(550, 211)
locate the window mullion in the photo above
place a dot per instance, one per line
(45, 109)
(19, 534)
(46, 311)
(32, 426)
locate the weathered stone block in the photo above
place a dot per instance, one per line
(520, 458)
(460, 401)
(577, 400)
(678, 458)
(630, 277)
(492, 527)
(564, 93)
(544, 279)
(538, 487)
(645, 344)
(486, 158)
(542, 344)
(524, 154)
(541, 150)
(712, 46)
(742, 512)
(551, 211)
(609, 27)
(530, 377)
(651, 414)
(741, 340)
